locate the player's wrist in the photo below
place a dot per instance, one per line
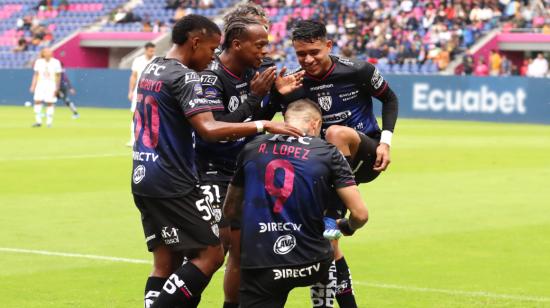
(385, 137)
(345, 226)
(261, 126)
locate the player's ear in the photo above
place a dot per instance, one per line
(329, 44)
(236, 44)
(195, 42)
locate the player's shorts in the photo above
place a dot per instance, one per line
(363, 163)
(45, 93)
(215, 192)
(181, 223)
(269, 287)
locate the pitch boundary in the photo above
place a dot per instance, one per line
(64, 157)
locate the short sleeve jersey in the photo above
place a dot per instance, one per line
(345, 94)
(47, 71)
(226, 92)
(164, 156)
(287, 182)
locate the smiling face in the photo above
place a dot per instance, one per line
(252, 48)
(313, 56)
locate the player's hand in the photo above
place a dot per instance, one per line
(262, 82)
(331, 229)
(72, 91)
(288, 84)
(31, 89)
(131, 96)
(282, 128)
(382, 157)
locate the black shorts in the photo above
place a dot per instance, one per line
(181, 223)
(269, 287)
(217, 189)
(365, 158)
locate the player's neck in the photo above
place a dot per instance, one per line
(324, 70)
(230, 62)
(179, 54)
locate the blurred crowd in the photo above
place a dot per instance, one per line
(498, 64)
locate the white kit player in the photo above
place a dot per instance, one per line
(138, 66)
(45, 85)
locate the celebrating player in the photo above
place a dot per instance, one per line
(177, 220)
(45, 86)
(281, 190)
(344, 90)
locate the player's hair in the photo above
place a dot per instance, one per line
(237, 29)
(248, 9)
(309, 31)
(190, 23)
(303, 109)
(149, 45)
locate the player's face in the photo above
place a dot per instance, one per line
(253, 48)
(47, 53)
(314, 56)
(204, 48)
(150, 52)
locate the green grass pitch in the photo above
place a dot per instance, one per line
(461, 219)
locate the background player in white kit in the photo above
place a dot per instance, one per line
(45, 85)
(138, 65)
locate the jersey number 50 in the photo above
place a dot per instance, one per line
(151, 126)
(280, 193)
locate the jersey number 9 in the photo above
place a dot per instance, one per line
(280, 193)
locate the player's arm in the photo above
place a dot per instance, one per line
(344, 183)
(132, 85)
(34, 81)
(57, 82)
(233, 204)
(378, 87)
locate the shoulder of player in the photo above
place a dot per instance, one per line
(350, 65)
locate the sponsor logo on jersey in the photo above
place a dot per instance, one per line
(346, 61)
(145, 156)
(284, 244)
(197, 88)
(139, 174)
(241, 85)
(377, 80)
(284, 273)
(170, 235)
(150, 237)
(191, 76)
(336, 117)
(279, 226)
(233, 103)
(210, 92)
(482, 101)
(174, 283)
(154, 68)
(325, 102)
(209, 79)
(322, 87)
(302, 140)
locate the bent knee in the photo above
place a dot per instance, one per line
(337, 134)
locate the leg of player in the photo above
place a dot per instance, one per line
(186, 284)
(37, 114)
(163, 266)
(232, 278)
(344, 289)
(49, 114)
(345, 139)
(71, 106)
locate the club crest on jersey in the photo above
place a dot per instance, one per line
(139, 174)
(284, 244)
(233, 103)
(325, 102)
(209, 79)
(197, 88)
(377, 79)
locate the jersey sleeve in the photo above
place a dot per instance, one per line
(342, 175)
(57, 68)
(371, 80)
(212, 88)
(135, 65)
(36, 66)
(189, 94)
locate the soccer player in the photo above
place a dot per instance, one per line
(138, 65)
(45, 86)
(344, 89)
(281, 190)
(177, 220)
(65, 89)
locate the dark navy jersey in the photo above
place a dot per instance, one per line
(226, 92)
(345, 94)
(164, 155)
(287, 183)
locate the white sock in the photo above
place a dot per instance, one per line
(49, 115)
(38, 113)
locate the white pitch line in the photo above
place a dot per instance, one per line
(74, 255)
(64, 157)
(455, 292)
(368, 284)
